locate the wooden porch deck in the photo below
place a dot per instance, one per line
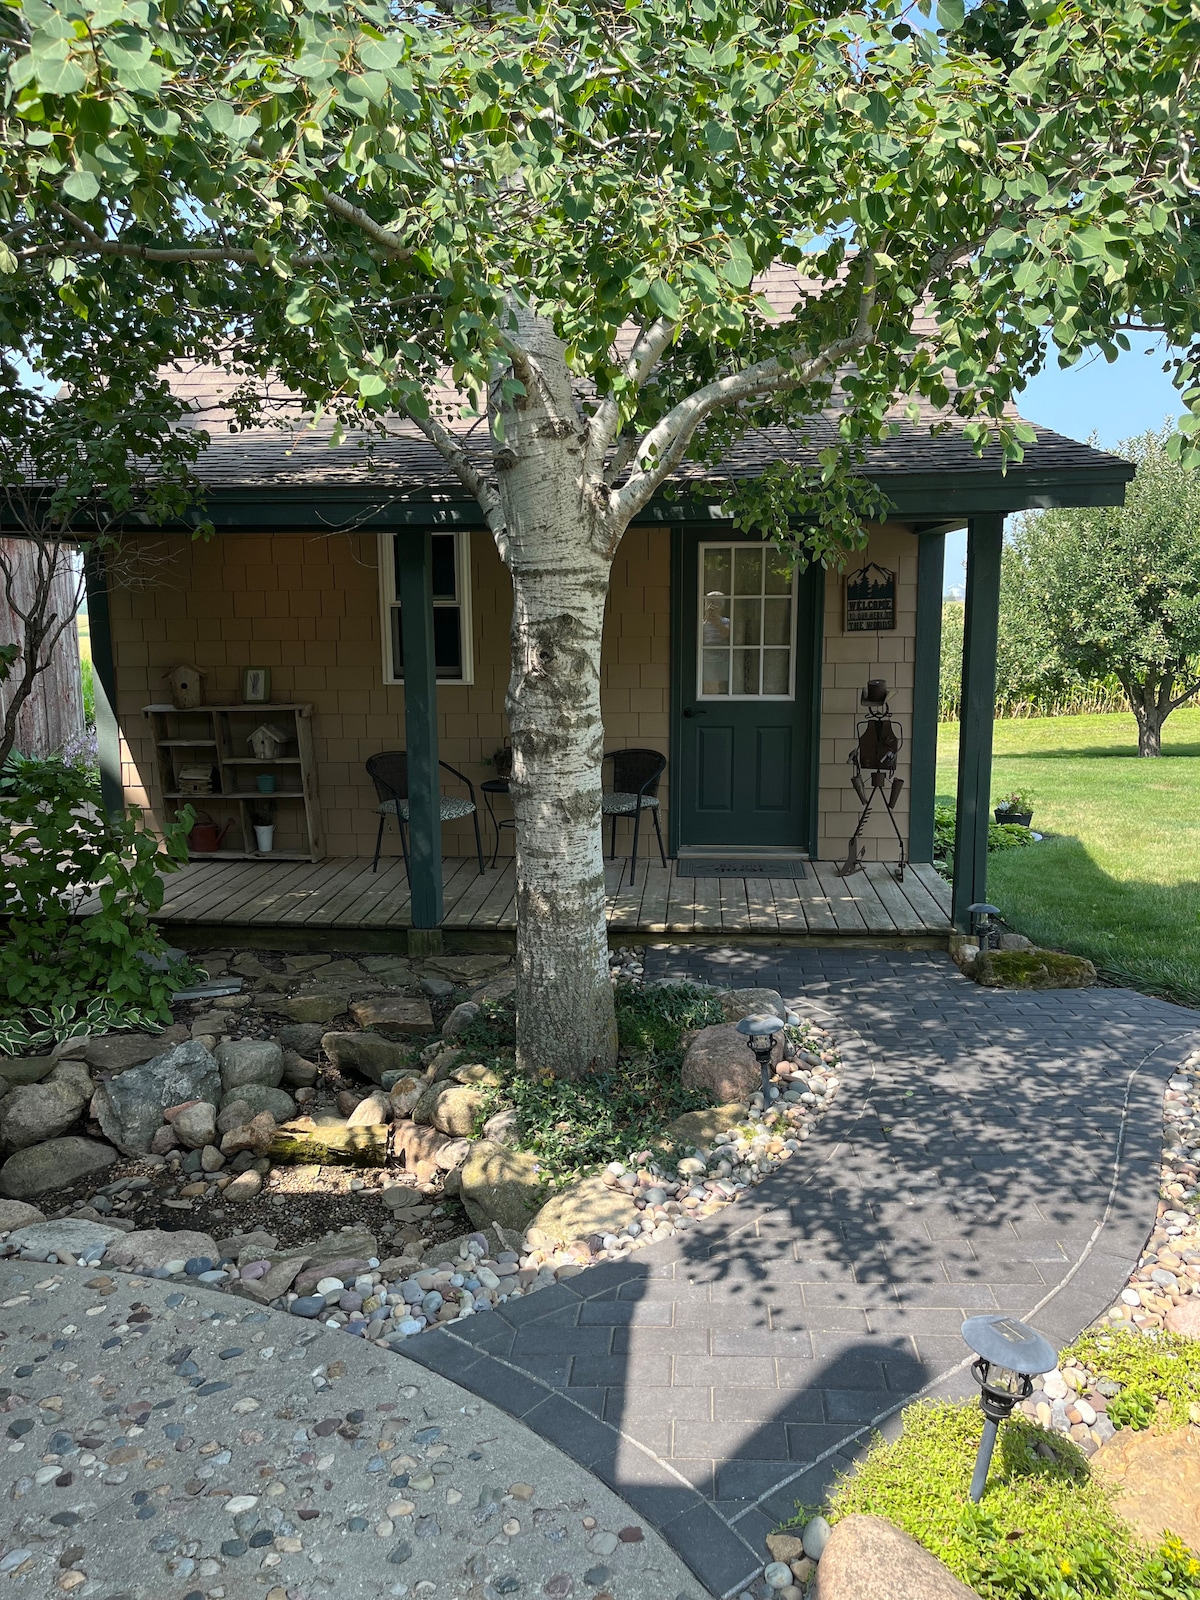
(343, 893)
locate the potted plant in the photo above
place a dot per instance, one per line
(502, 760)
(1016, 807)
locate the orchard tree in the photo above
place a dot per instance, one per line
(1116, 589)
(553, 212)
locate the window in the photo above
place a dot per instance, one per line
(450, 556)
(746, 623)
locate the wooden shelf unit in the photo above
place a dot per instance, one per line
(216, 736)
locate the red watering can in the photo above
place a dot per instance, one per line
(205, 836)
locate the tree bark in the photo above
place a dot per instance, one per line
(555, 542)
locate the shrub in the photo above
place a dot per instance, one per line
(1161, 1371)
(1001, 835)
(60, 972)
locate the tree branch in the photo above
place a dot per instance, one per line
(144, 252)
(457, 458)
(636, 368)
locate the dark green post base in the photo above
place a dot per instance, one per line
(425, 942)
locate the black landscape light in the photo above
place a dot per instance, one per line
(760, 1032)
(981, 915)
(1009, 1353)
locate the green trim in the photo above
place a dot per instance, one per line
(415, 592)
(108, 733)
(675, 733)
(985, 542)
(927, 661)
(812, 600)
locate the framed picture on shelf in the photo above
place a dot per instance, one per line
(256, 685)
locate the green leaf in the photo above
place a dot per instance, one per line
(665, 299)
(81, 185)
(950, 14)
(57, 74)
(738, 267)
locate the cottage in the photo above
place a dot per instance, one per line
(332, 571)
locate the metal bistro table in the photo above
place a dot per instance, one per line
(494, 786)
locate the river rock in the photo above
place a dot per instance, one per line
(460, 1018)
(18, 1214)
(152, 1248)
(250, 1061)
(302, 1037)
(419, 1147)
(503, 1127)
(34, 1112)
(53, 1165)
(367, 1054)
(261, 1097)
(246, 1186)
(129, 1108)
(276, 1281)
(739, 1003)
(393, 1013)
(255, 1136)
(456, 1110)
(501, 1185)
(1156, 1477)
(371, 1111)
(404, 1094)
(342, 1244)
(66, 1237)
(1185, 1318)
(196, 1125)
(719, 1064)
(585, 1208)
(297, 1072)
(868, 1558)
(117, 1052)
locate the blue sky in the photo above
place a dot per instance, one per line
(1114, 402)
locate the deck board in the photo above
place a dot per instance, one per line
(344, 893)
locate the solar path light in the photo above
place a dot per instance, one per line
(760, 1033)
(1009, 1353)
(982, 928)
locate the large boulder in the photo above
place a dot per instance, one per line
(868, 1558)
(1032, 969)
(129, 1108)
(250, 1061)
(739, 1003)
(18, 1214)
(152, 1248)
(501, 1185)
(54, 1165)
(260, 1097)
(117, 1052)
(26, 1069)
(1156, 1479)
(450, 1107)
(419, 1148)
(393, 1013)
(367, 1054)
(34, 1112)
(719, 1064)
(68, 1238)
(585, 1208)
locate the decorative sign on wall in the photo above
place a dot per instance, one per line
(871, 600)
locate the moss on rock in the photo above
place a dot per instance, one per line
(1033, 969)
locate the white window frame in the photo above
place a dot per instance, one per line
(698, 602)
(388, 599)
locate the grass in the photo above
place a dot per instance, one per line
(1045, 1528)
(1117, 879)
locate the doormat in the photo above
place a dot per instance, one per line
(739, 867)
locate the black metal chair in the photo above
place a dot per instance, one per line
(388, 771)
(635, 778)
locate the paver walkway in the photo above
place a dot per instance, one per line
(987, 1152)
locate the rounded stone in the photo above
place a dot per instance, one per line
(778, 1574)
(308, 1305)
(816, 1537)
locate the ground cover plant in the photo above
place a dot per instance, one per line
(60, 973)
(1117, 877)
(1044, 1530)
(573, 1125)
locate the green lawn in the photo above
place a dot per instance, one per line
(1118, 876)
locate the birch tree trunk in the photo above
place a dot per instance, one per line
(555, 543)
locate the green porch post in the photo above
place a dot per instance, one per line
(415, 590)
(985, 539)
(927, 664)
(104, 677)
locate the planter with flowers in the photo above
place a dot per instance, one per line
(1015, 807)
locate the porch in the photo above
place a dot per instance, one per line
(343, 893)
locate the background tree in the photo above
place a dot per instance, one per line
(73, 470)
(1116, 589)
(553, 214)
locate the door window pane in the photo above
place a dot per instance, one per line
(746, 620)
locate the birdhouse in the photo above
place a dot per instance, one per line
(187, 686)
(268, 742)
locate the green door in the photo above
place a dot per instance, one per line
(744, 672)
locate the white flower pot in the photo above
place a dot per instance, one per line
(264, 837)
